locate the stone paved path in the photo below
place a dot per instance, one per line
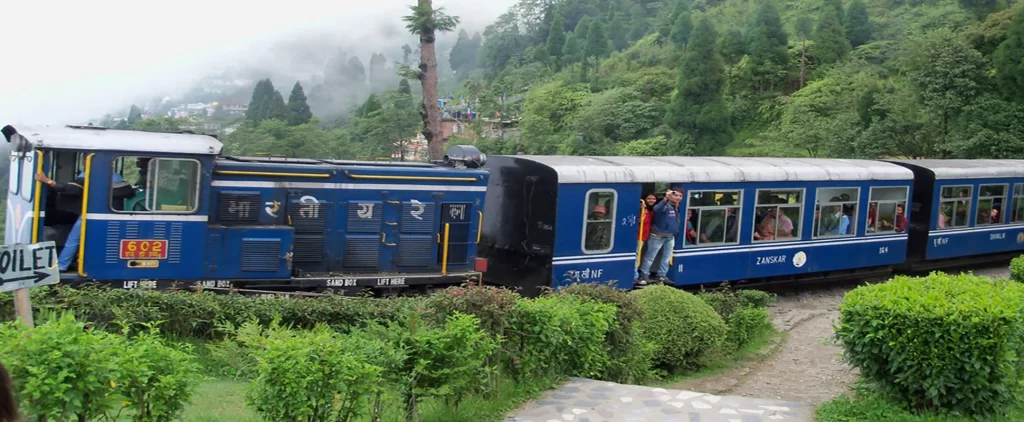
(586, 400)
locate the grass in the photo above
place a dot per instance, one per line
(758, 349)
(872, 408)
(219, 400)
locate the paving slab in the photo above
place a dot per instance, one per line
(587, 400)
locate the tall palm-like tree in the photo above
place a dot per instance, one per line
(425, 22)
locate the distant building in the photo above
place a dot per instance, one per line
(414, 149)
(236, 108)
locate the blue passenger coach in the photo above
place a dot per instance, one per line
(755, 218)
(243, 222)
(965, 209)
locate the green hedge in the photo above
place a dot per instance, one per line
(684, 328)
(941, 342)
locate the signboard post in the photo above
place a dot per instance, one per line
(25, 266)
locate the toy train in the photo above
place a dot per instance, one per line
(195, 216)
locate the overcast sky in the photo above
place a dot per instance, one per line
(70, 60)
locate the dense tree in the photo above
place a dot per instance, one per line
(371, 105)
(504, 43)
(266, 103)
(766, 45)
(857, 23)
(380, 77)
(404, 88)
(698, 108)
(830, 43)
(299, 112)
(425, 22)
(556, 37)
(1009, 60)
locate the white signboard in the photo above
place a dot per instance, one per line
(24, 266)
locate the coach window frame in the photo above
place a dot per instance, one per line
(799, 220)
(878, 208)
(699, 209)
(954, 200)
(609, 218)
(26, 176)
(152, 183)
(819, 204)
(979, 199)
(1018, 195)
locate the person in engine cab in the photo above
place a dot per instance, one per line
(143, 164)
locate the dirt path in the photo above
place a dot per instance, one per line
(806, 366)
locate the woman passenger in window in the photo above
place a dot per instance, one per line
(691, 233)
(942, 219)
(901, 219)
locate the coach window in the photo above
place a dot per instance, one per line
(27, 176)
(882, 207)
(715, 214)
(990, 204)
(835, 212)
(599, 229)
(1018, 204)
(954, 206)
(778, 214)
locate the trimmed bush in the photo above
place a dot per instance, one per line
(631, 356)
(749, 298)
(1017, 269)
(684, 328)
(559, 335)
(726, 301)
(941, 342)
(492, 305)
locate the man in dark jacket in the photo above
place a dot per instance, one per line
(664, 229)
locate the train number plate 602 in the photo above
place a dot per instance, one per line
(143, 249)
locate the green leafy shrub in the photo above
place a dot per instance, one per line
(940, 342)
(749, 298)
(560, 335)
(200, 314)
(1017, 269)
(158, 379)
(631, 356)
(747, 324)
(61, 370)
(312, 375)
(684, 327)
(493, 306)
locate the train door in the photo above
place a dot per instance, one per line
(23, 209)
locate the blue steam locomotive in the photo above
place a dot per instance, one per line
(163, 210)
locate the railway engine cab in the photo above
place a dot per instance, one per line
(558, 220)
(162, 210)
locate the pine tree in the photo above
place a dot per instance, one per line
(857, 23)
(134, 115)
(766, 45)
(638, 23)
(261, 102)
(834, 4)
(830, 43)
(572, 51)
(1009, 60)
(299, 112)
(278, 109)
(732, 47)
(597, 41)
(805, 29)
(698, 109)
(379, 74)
(682, 29)
(404, 88)
(463, 55)
(583, 28)
(371, 105)
(617, 32)
(556, 36)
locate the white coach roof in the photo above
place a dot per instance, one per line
(970, 169)
(100, 139)
(572, 169)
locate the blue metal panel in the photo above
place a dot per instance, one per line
(248, 252)
(745, 260)
(973, 239)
